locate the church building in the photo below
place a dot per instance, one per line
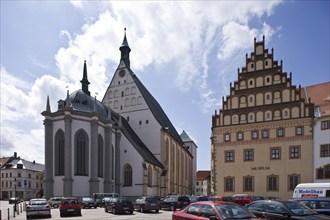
(124, 143)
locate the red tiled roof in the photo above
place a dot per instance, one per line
(203, 174)
(319, 95)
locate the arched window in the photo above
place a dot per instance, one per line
(127, 175)
(81, 153)
(59, 153)
(100, 156)
(149, 176)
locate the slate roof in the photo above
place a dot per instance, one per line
(80, 101)
(156, 109)
(26, 165)
(319, 95)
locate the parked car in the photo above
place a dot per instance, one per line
(198, 198)
(102, 203)
(70, 206)
(14, 200)
(174, 202)
(119, 205)
(213, 210)
(221, 198)
(256, 198)
(38, 207)
(55, 202)
(319, 204)
(146, 203)
(282, 209)
(242, 199)
(87, 202)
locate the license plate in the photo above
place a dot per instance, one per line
(70, 210)
(125, 208)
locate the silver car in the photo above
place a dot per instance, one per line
(38, 207)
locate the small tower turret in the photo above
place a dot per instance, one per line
(84, 81)
(125, 50)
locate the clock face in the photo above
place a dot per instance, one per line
(122, 73)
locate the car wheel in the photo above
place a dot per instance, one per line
(105, 209)
(141, 209)
(131, 212)
(114, 211)
(157, 210)
(172, 208)
(79, 213)
(27, 217)
(61, 215)
(49, 216)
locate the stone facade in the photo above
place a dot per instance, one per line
(263, 133)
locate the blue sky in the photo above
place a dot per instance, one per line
(186, 54)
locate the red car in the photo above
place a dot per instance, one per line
(242, 199)
(206, 210)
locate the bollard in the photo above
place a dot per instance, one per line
(14, 210)
(0, 214)
(8, 213)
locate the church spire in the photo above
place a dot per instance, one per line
(84, 81)
(48, 105)
(125, 50)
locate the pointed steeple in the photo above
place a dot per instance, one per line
(84, 81)
(125, 50)
(47, 105)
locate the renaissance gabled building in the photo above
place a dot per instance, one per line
(124, 144)
(262, 140)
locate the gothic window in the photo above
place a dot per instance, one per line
(110, 94)
(139, 100)
(81, 153)
(133, 101)
(100, 156)
(133, 90)
(127, 91)
(248, 184)
(127, 175)
(149, 176)
(59, 153)
(272, 183)
(122, 94)
(294, 180)
(229, 184)
(116, 93)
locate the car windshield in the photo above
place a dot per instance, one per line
(232, 211)
(68, 201)
(38, 202)
(298, 209)
(88, 199)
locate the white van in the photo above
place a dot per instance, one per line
(311, 190)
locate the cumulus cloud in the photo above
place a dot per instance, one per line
(186, 34)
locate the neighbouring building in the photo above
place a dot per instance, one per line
(262, 138)
(21, 178)
(203, 183)
(320, 95)
(124, 144)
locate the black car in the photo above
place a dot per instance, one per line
(119, 205)
(318, 204)
(146, 203)
(102, 203)
(87, 202)
(175, 202)
(282, 209)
